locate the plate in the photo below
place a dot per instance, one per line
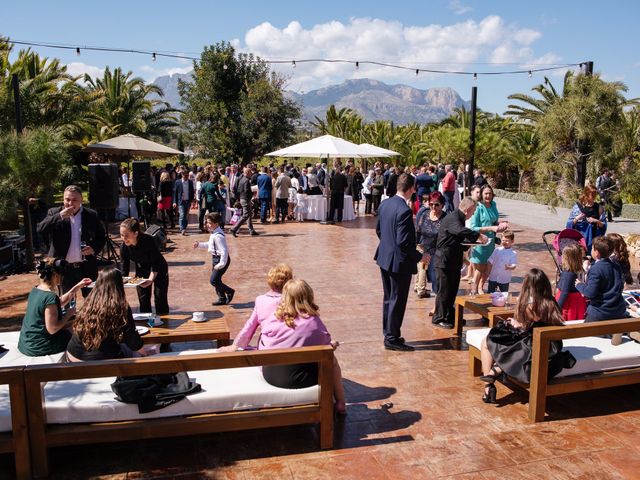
(199, 321)
(142, 330)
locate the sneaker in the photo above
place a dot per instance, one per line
(424, 295)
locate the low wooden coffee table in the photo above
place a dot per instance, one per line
(178, 328)
(480, 304)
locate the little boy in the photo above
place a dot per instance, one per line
(503, 262)
(220, 259)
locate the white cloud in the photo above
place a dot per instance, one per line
(433, 46)
(458, 8)
(79, 68)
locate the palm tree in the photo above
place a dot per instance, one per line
(120, 103)
(538, 107)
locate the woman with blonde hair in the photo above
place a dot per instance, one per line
(104, 322)
(296, 323)
(165, 205)
(265, 306)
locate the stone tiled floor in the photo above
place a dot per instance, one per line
(410, 415)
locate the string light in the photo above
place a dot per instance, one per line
(154, 55)
(357, 65)
(475, 77)
(530, 74)
(417, 71)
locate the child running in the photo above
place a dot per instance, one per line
(571, 302)
(217, 247)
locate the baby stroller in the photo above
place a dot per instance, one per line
(561, 240)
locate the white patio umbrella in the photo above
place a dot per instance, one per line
(326, 146)
(129, 145)
(379, 151)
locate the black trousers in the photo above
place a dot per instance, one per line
(376, 202)
(448, 283)
(368, 203)
(336, 203)
(282, 208)
(160, 289)
(73, 274)
(216, 279)
(396, 292)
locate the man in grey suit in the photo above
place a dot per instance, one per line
(245, 195)
(283, 184)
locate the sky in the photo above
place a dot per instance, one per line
(465, 35)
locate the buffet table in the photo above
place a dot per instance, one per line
(316, 208)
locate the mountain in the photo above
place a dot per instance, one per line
(372, 99)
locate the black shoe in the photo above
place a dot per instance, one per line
(398, 346)
(230, 296)
(234, 233)
(490, 393)
(494, 374)
(220, 301)
(424, 295)
(253, 233)
(445, 325)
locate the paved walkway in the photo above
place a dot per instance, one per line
(410, 415)
(542, 217)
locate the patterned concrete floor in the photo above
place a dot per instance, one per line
(410, 415)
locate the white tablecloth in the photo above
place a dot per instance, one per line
(122, 211)
(316, 206)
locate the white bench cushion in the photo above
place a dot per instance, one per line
(234, 389)
(13, 358)
(593, 354)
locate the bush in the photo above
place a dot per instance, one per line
(631, 210)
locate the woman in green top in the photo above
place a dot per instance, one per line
(484, 220)
(43, 329)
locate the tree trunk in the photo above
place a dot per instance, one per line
(30, 260)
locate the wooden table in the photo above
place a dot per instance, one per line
(178, 328)
(480, 304)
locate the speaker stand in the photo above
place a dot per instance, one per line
(111, 255)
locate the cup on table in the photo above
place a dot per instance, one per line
(198, 317)
(153, 320)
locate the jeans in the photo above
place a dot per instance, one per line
(184, 214)
(448, 197)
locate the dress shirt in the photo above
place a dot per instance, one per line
(217, 246)
(74, 254)
(185, 190)
(499, 259)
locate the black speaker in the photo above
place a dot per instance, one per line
(141, 176)
(159, 235)
(104, 187)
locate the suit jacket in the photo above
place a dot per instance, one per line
(392, 185)
(396, 252)
(338, 184)
(283, 184)
(304, 183)
(321, 176)
(243, 189)
(177, 192)
(57, 232)
(452, 233)
(265, 186)
(604, 290)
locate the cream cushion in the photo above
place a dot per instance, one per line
(593, 354)
(234, 389)
(13, 358)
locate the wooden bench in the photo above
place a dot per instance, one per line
(17, 440)
(539, 388)
(43, 435)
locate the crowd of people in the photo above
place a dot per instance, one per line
(424, 229)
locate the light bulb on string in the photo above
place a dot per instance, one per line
(153, 57)
(78, 51)
(293, 63)
(475, 77)
(530, 74)
(417, 71)
(224, 66)
(357, 65)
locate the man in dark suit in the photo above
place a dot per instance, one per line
(392, 182)
(424, 183)
(604, 285)
(245, 196)
(448, 259)
(304, 181)
(183, 195)
(74, 233)
(338, 183)
(265, 187)
(397, 258)
(321, 174)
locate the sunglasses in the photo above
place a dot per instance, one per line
(434, 204)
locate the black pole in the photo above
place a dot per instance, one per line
(472, 140)
(16, 98)
(28, 237)
(582, 147)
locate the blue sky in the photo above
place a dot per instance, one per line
(443, 34)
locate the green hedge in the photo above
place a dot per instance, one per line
(631, 210)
